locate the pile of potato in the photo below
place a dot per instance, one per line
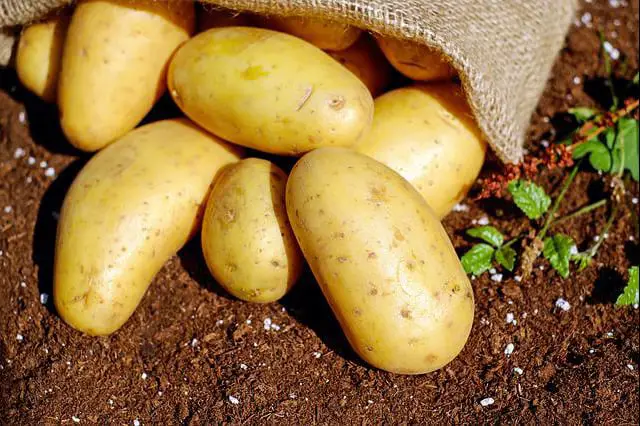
(362, 205)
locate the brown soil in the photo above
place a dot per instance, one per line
(189, 347)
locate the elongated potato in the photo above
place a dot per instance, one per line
(416, 61)
(247, 241)
(208, 18)
(269, 91)
(383, 261)
(39, 53)
(367, 62)
(326, 35)
(439, 150)
(130, 209)
(114, 65)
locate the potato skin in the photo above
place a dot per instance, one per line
(367, 62)
(269, 91)
(440, 150)
(114, 65)
(247, 240)
(39, 53)
(382, 259)
(323, 34)
(418, 62)
(131, 208)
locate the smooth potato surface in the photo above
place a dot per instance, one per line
(269, 91)
(418, 62)
(130, 209)
(114, 65)
(325, 35)
(247, 240)
(383, 261)
(428, 135)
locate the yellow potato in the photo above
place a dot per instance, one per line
(367, 62)
(439, 150)
(114, 65)
(382, 259)
(268, 91)
(416, 61)
(39, 53)
(128, 211)
(208, 18)
(325, 35)
(247, 241)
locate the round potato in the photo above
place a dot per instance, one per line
(440, 150)
(114, 65)
(382, 259)
(325, 35)
(269, 91)
(129, 210)
(39, 53)
(416, 61)
(247, 241)
(367, 62)
(208, 18)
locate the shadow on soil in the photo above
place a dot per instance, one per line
(608, 287)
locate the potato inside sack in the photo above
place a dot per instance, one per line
(39, 54)
(129, 210)
(382, 259)
(209, 17)
(367, 62)
(326, 35)
(428, 135)
(269, 91)
(114, 65)
(416, 61)
(247, 240)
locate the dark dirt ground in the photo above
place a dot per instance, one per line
(189, 347)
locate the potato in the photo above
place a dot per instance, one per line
(38, 55)
(268, 91)
(128, 211)
(367, 62)
(114, 65)
(247, 241)
(416, 61)
(208, 18)
(324, 34)
(440, 150)
(382, 259)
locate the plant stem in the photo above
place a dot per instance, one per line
(605, 230)
(557, 201)
(512, 241)
(585, 134)
(584, 210)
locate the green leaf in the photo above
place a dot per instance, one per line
(583, 114)
(488, 234)
(599, 155)
(582, 260)
(529, 197)
(628, 138)
(506, 256)
(478, 259)
(557, 250)
(630, 295)
(636, 79)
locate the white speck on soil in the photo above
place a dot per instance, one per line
(22, 117)
(510, 318)
(19, 153)
(517, 278)
(586, 19)
(267, 323)
(31, 161)
(487, 402)
(484, 220)
(544, 143)
(591, 351)
(518, 370)
(293, 395)
(136, 422)
(460, 208)
(194, 342)
(509, 349)
(496, 277)
(219, 322)
(610, 334)
(243, 366)
(144, 376)
(8, 209)
(23, 284)
(634, 200)
(630, 367)
(43, 164)
(317, 354)
(19, 337)
(573, 250)
(612, 51)
(563, 304)
(275, 327)
(50, 172)
(44, 298)
(577, 80)
(75, 419)
(614, 3)
(248, 321)
(234, 400)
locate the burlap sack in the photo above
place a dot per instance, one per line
(503, 49)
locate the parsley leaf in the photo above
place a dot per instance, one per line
(478, 259)
(583, 114)
(557, 250)
(628, 138)
(630, 295)
(506, 256)
(529, 197)
(488, 234)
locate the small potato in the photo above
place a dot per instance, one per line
(129, 210)
(382, 259)
(439, 150)
(416, 61)
(39, 53)
(367, 62)
(325, 35)
(114, 65)
(208, 18)
(269, 91)
(247, 241)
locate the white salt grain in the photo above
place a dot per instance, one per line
(19, 337)
(487, 401)
(483, 221)
(586, 19)
(234, 400)
(267, 323)
(136, 422)
(496, 277)
(219, 322)
(43, 164)
(563, 304)
(573, 250)
(75, 419)
(634, 200)
(517, 278)
(612, 51)
(194, 342)
(317, 354)
(31, 161)
(50, 172)
(509, 349)
(8, 209)
(243, 366)
(44, 298)
(19, 153)
(144, 376)
(460, 208)
(22, 117)
(577, 80)
(518, 370)
(544, 143)
(630, 367)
